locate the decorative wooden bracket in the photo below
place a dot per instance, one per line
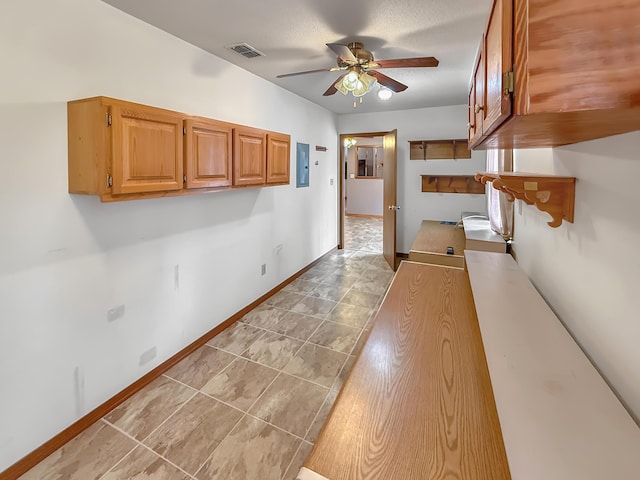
(551, 194)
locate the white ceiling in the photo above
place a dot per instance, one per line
(293, 34)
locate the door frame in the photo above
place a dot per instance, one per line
(341, 184)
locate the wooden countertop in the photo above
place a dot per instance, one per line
(418, 403)
(560, 420)
(432, 240)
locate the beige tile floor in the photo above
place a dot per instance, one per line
(249, 404)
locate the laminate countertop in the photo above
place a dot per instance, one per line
(418, 403)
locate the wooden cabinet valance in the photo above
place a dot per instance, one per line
(438, 149)
(121, 150)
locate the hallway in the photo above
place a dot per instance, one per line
(249, 404)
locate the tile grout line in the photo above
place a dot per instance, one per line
(174, 412)
(341, 367)
(245, 414)
(286, 470)
(281, 370)
(140, 444)
(137, 444)
(315, 417)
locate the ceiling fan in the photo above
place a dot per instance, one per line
(359, 64)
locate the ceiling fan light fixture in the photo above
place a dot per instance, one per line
(384, 93)
(360, 89)
(367, 80)
(349, 142)
(340, 87)
(350, 81)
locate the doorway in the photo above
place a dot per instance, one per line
(386, 162)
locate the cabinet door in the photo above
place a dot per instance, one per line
(476, 101)
(249, 156)
(278, 158)
(208, 153)
(498, 60)
(146, 150)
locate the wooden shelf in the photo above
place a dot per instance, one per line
(551, 194)
(438, 149)
(451, 184)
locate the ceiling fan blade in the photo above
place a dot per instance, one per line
(331, 69)
(388, 82)
(408, 62)
(343, 52)
(332, 89)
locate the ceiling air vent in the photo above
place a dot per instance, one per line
(245, 50)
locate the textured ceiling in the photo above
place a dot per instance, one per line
(293, 34)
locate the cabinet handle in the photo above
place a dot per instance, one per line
(478, 108)
(470, 126)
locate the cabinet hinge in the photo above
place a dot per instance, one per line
(184, 179)
(507, 82)
(184, 130)
(108, 119)
(109, 181)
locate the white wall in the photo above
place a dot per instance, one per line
(364, 196)
(423, 124)
(66, 259)
(589, 270)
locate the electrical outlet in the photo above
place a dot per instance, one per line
(263, 269)
(331, 182)
(148, 355)
(115, 313)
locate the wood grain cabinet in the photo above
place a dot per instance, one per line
(118, 147)
(476, 100)
(556, 73)
(249, 156)
(278, 158)
(121, 151)
(260, 157)
(208, 153)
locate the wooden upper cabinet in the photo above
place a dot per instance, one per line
(249, 156)
(119, 148)
(278, 157)
(490, 93)
(591, 47)
(122, 151)
(575, 73)
(208, 153)
(498, 63)
(476, 101)
(147, 149)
